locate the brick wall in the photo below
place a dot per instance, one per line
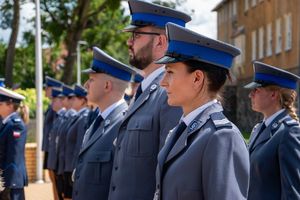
(30, 156)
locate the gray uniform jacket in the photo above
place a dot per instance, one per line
(208, 161)
(50, 116)
(275, 160)
(141, 135)
(75, 133)
(53, 141)
(95, 160)
(69, 118)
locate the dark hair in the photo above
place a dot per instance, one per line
(216, 75)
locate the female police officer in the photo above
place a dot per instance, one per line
(12, 145)
(275, 143)
(205, 156)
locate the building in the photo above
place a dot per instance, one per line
(265, 30)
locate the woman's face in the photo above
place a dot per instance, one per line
(5, 109)
(261, 99)
(179, 84)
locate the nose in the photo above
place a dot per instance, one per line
(164, 82)
(129, 42)
(251, 94)
(86, 84)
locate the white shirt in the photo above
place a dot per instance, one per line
(108, 110)
(4, 121)
(192, 115)
(148, 80)
(269, 120)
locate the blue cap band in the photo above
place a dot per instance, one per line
(111, 70)
(157, 20)
(204, 54)
(276, 80)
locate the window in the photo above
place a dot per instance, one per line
(234, 8)
(246, 5)
(253, 37)
(269, 39)
(278, 36)
(261, 42)
(288, 31)
(253, 3)
(239, 42)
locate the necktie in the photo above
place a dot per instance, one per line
(138, 92)
(96, 125)
(172, 140)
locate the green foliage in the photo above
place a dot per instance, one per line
(30, 100)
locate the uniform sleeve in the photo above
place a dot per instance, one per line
(225, 173)
(169, 118)
(289, 162)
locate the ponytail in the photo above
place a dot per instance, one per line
(287, 100)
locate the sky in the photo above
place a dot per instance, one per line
(203, 20)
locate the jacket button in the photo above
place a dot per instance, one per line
(119, 147)
(116, 167)
(113, 188)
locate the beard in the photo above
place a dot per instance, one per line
(143, 57)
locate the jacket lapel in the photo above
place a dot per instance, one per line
(192, 128)
(105, 125)
(268, 132)
(144, 96)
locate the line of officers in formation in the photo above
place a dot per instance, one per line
(171, 140)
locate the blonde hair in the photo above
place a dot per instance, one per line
(287, 100)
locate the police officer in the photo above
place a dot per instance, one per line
(108, 79)
(205, 156)
(274, 143)
(149, 118)
(67, 119)
(13, 135)
(52, 162)
(74, 137)
(49, 118)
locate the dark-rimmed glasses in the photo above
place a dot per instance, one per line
(136, 34)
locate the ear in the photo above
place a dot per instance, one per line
(108, 86)
(198, 78)
(161, 42)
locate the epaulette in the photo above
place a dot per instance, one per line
(290, 121)
(220, 120)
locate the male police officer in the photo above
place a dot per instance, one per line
(149, 118)
(106, 86)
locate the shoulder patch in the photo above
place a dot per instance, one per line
(220, 120)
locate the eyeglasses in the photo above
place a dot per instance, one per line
(136, 34)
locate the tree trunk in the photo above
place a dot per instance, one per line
(11, 49)
(73, 36)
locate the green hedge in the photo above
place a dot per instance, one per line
(30, 100)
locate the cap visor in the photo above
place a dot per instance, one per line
(168, 59)
(252, 85)
(130, 27)
(88, 71)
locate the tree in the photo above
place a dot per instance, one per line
(11, 15)
(66, 20)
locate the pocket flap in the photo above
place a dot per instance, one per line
(142, 123)
(101, 156)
